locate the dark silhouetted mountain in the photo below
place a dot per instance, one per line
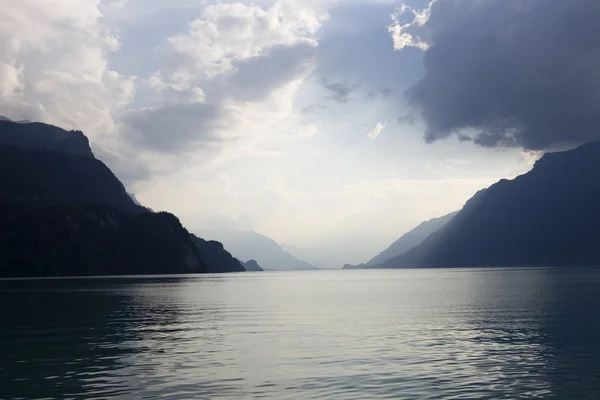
(549, 216)
(249, 245)
(216, 257)
(412, 239)
(38, 136)
(56, 178)
(253, 266)
(63, 212)
(93, 240)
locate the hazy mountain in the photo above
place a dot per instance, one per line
(252, 265)
(63, 212)
(549, 216)
(247, 245)
(322, 258)
(412, 239)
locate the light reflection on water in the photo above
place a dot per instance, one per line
(500, 333)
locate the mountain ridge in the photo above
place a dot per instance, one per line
(412, 238)
(547, 216)
(246, 245)
(39, 136)
(64, 213)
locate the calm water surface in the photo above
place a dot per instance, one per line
(501, 333)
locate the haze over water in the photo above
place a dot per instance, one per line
(497, 333)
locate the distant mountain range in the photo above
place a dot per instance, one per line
(246, 245)
(324, 258)
(412, 239)
(63, 212)
(408, 241)
(549, 216)
(252, 265)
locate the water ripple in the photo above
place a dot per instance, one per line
(320, 335)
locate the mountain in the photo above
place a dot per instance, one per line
(412, 239)
(249, 245)
(216, 257)
(56, 178)
(549, 216)
(63, 212)
(38, 136)
(252, 265)
(91, 241)
(325, 258)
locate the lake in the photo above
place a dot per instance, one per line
(484, 333)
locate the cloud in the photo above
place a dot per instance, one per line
(509, 73)
(411, 33)
(255, 78)
(306, 131)
(231, 62)
(54, 65)
(174, 128)
(227, 33)
(128, 167)
(354, 54)
(340, 91)
(377, 130)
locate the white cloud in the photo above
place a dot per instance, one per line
(241, 65)
(229, 33)
(54, 67)
(306, 131)
(413, 33)
(377, 130)
(530, 157)
(11, 79)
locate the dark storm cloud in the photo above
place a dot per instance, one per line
(512, 72)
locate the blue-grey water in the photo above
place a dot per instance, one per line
(499, 333)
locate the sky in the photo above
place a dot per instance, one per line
(332, 124)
